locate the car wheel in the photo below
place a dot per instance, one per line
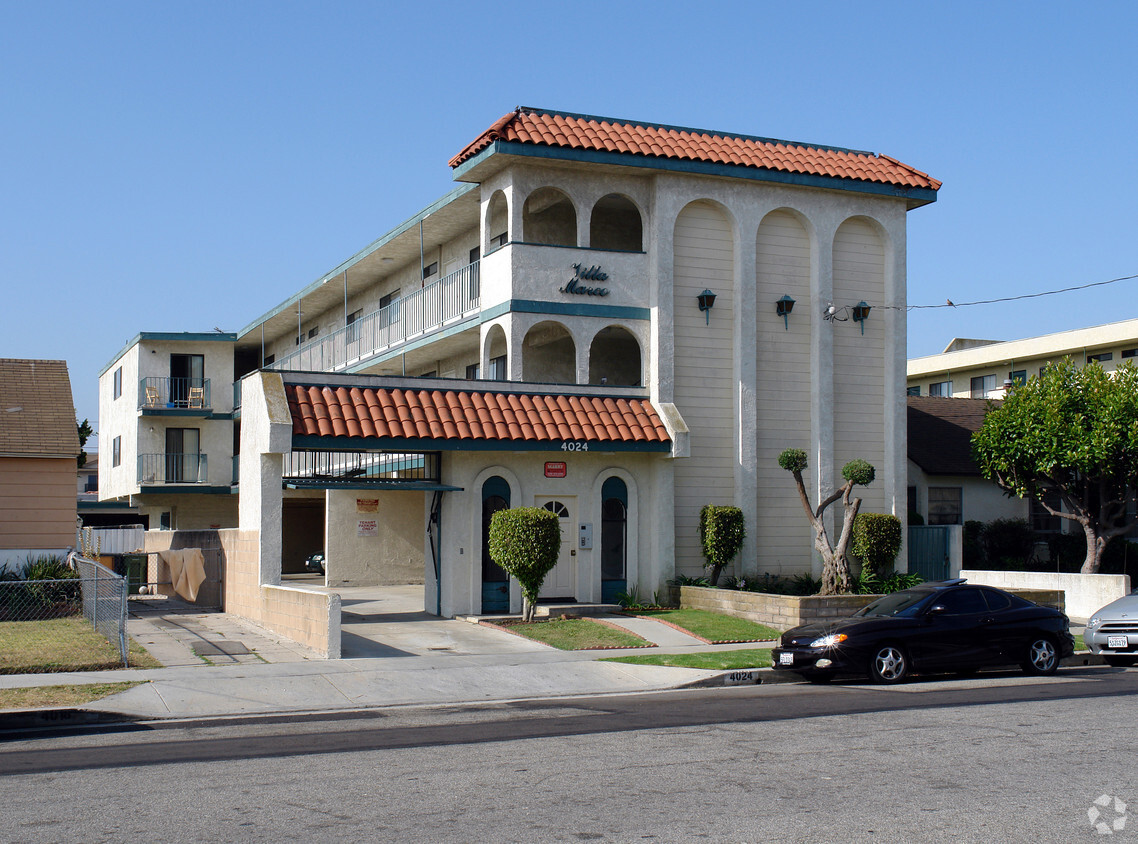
(888, 665)
(1042, 657)
(1120, 661)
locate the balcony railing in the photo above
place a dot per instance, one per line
(172, 468)
(158, 393)
(410, 317)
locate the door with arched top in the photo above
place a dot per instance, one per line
(560, 582)
(495, 581)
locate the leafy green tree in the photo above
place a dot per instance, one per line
(877, 541)
(835, 563)
(525, 542)
(1073, 431)
(85, 432)
(721, 535)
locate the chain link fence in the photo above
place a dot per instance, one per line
(76, 623)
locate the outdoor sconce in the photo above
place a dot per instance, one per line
(706, 301)
(783, 307)
(861, 314)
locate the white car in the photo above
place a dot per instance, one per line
(1113, 631)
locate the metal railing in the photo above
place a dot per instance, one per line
(43, 622)
(410, 317)
(159, 393)
(172, 468)
(316, 467)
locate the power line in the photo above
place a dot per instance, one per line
(950, 304)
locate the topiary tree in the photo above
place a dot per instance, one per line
(525, 542)
(835, 565)
(877, 541)
(721, 535)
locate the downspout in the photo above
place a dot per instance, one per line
(422, 263)
(434, 532)
(345, 298)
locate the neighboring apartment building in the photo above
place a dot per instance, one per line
(982, 368)
(39, 450)
(617, 321)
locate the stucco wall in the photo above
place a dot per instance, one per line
(1084, 593)
(375, 538)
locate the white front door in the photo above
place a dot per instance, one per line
(559, 583)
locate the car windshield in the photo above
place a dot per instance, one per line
(905, 604)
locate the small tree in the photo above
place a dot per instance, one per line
(1075, 431)
(85, 431)
(835, 564)
(877, 541)
(721, 535)
(525, 542)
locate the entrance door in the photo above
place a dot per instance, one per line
(559, 583)
(183, 447)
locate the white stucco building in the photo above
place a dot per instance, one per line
(616, 320)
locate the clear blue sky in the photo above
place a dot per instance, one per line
(176, 167)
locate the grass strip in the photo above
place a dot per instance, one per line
(47, 696)
(62, 644)
(576, 634)
(712, 627)
(712, 660)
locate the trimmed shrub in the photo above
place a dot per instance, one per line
(877, 541)
(525, 542)
(1008, 544)
(721, 535)
(973, 550)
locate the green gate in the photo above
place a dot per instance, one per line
(928, 551)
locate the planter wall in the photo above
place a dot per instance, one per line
(785, 611)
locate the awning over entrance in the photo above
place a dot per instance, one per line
(343, 416)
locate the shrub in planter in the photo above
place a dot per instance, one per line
(877, 541)
(721, 535)
(525, 542)
(1008, 543)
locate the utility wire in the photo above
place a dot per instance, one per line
(950, 304)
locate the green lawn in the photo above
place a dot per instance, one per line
(77, 695)
(62, 644)
(576, 634)
(715, 660)
(1079, 644)
(713, 627)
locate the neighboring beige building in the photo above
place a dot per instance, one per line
(39, 450)
(981, 368)
(618, 321)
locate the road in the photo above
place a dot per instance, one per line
(993, 759)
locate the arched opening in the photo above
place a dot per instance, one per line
(614, 539)
(497, 222)
(616, 224)
(496, 351)
(614, 358)
(549, 354)
(549, 217)
(495, 581)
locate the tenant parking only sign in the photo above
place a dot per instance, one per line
(367, 527)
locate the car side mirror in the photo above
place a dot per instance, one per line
(935, 610)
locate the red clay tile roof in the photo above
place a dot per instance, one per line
(463, 415)
(535, 126)
(940, 433)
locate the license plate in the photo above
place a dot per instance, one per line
(1116, 642)
(788, 659)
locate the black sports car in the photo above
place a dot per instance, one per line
(948, 626)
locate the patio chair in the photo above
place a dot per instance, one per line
(152, 397)
(197, 397)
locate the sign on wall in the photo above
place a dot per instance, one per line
(555, 470)
(367, 505)
(583, 281)
(367, 527)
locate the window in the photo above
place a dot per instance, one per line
(1018, 377)
(962, 602)
(945, 505)
(913, 391)
(430, 269)
(475, 254)
(1041, 520)
(186, 372)
(116, 451)
(353, 329)
(434, 373)
(269, 359)
(996, 600)
(472, 372)
(983, 386)
(1101, 357)
(118, 382)
(1128, 353)
(313, 331)
(500, 240)
(912, 495)
(498, 368)
(941, 388)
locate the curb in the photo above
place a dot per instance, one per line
(60, 718)
(743, 677)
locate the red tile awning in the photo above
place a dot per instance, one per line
(475, 419)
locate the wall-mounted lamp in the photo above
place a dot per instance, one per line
(783, 307)
(706, 301)
(861, 314)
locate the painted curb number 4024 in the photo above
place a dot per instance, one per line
(574, 446)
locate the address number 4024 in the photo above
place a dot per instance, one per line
(574, 446)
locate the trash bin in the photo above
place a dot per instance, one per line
(134, 569)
